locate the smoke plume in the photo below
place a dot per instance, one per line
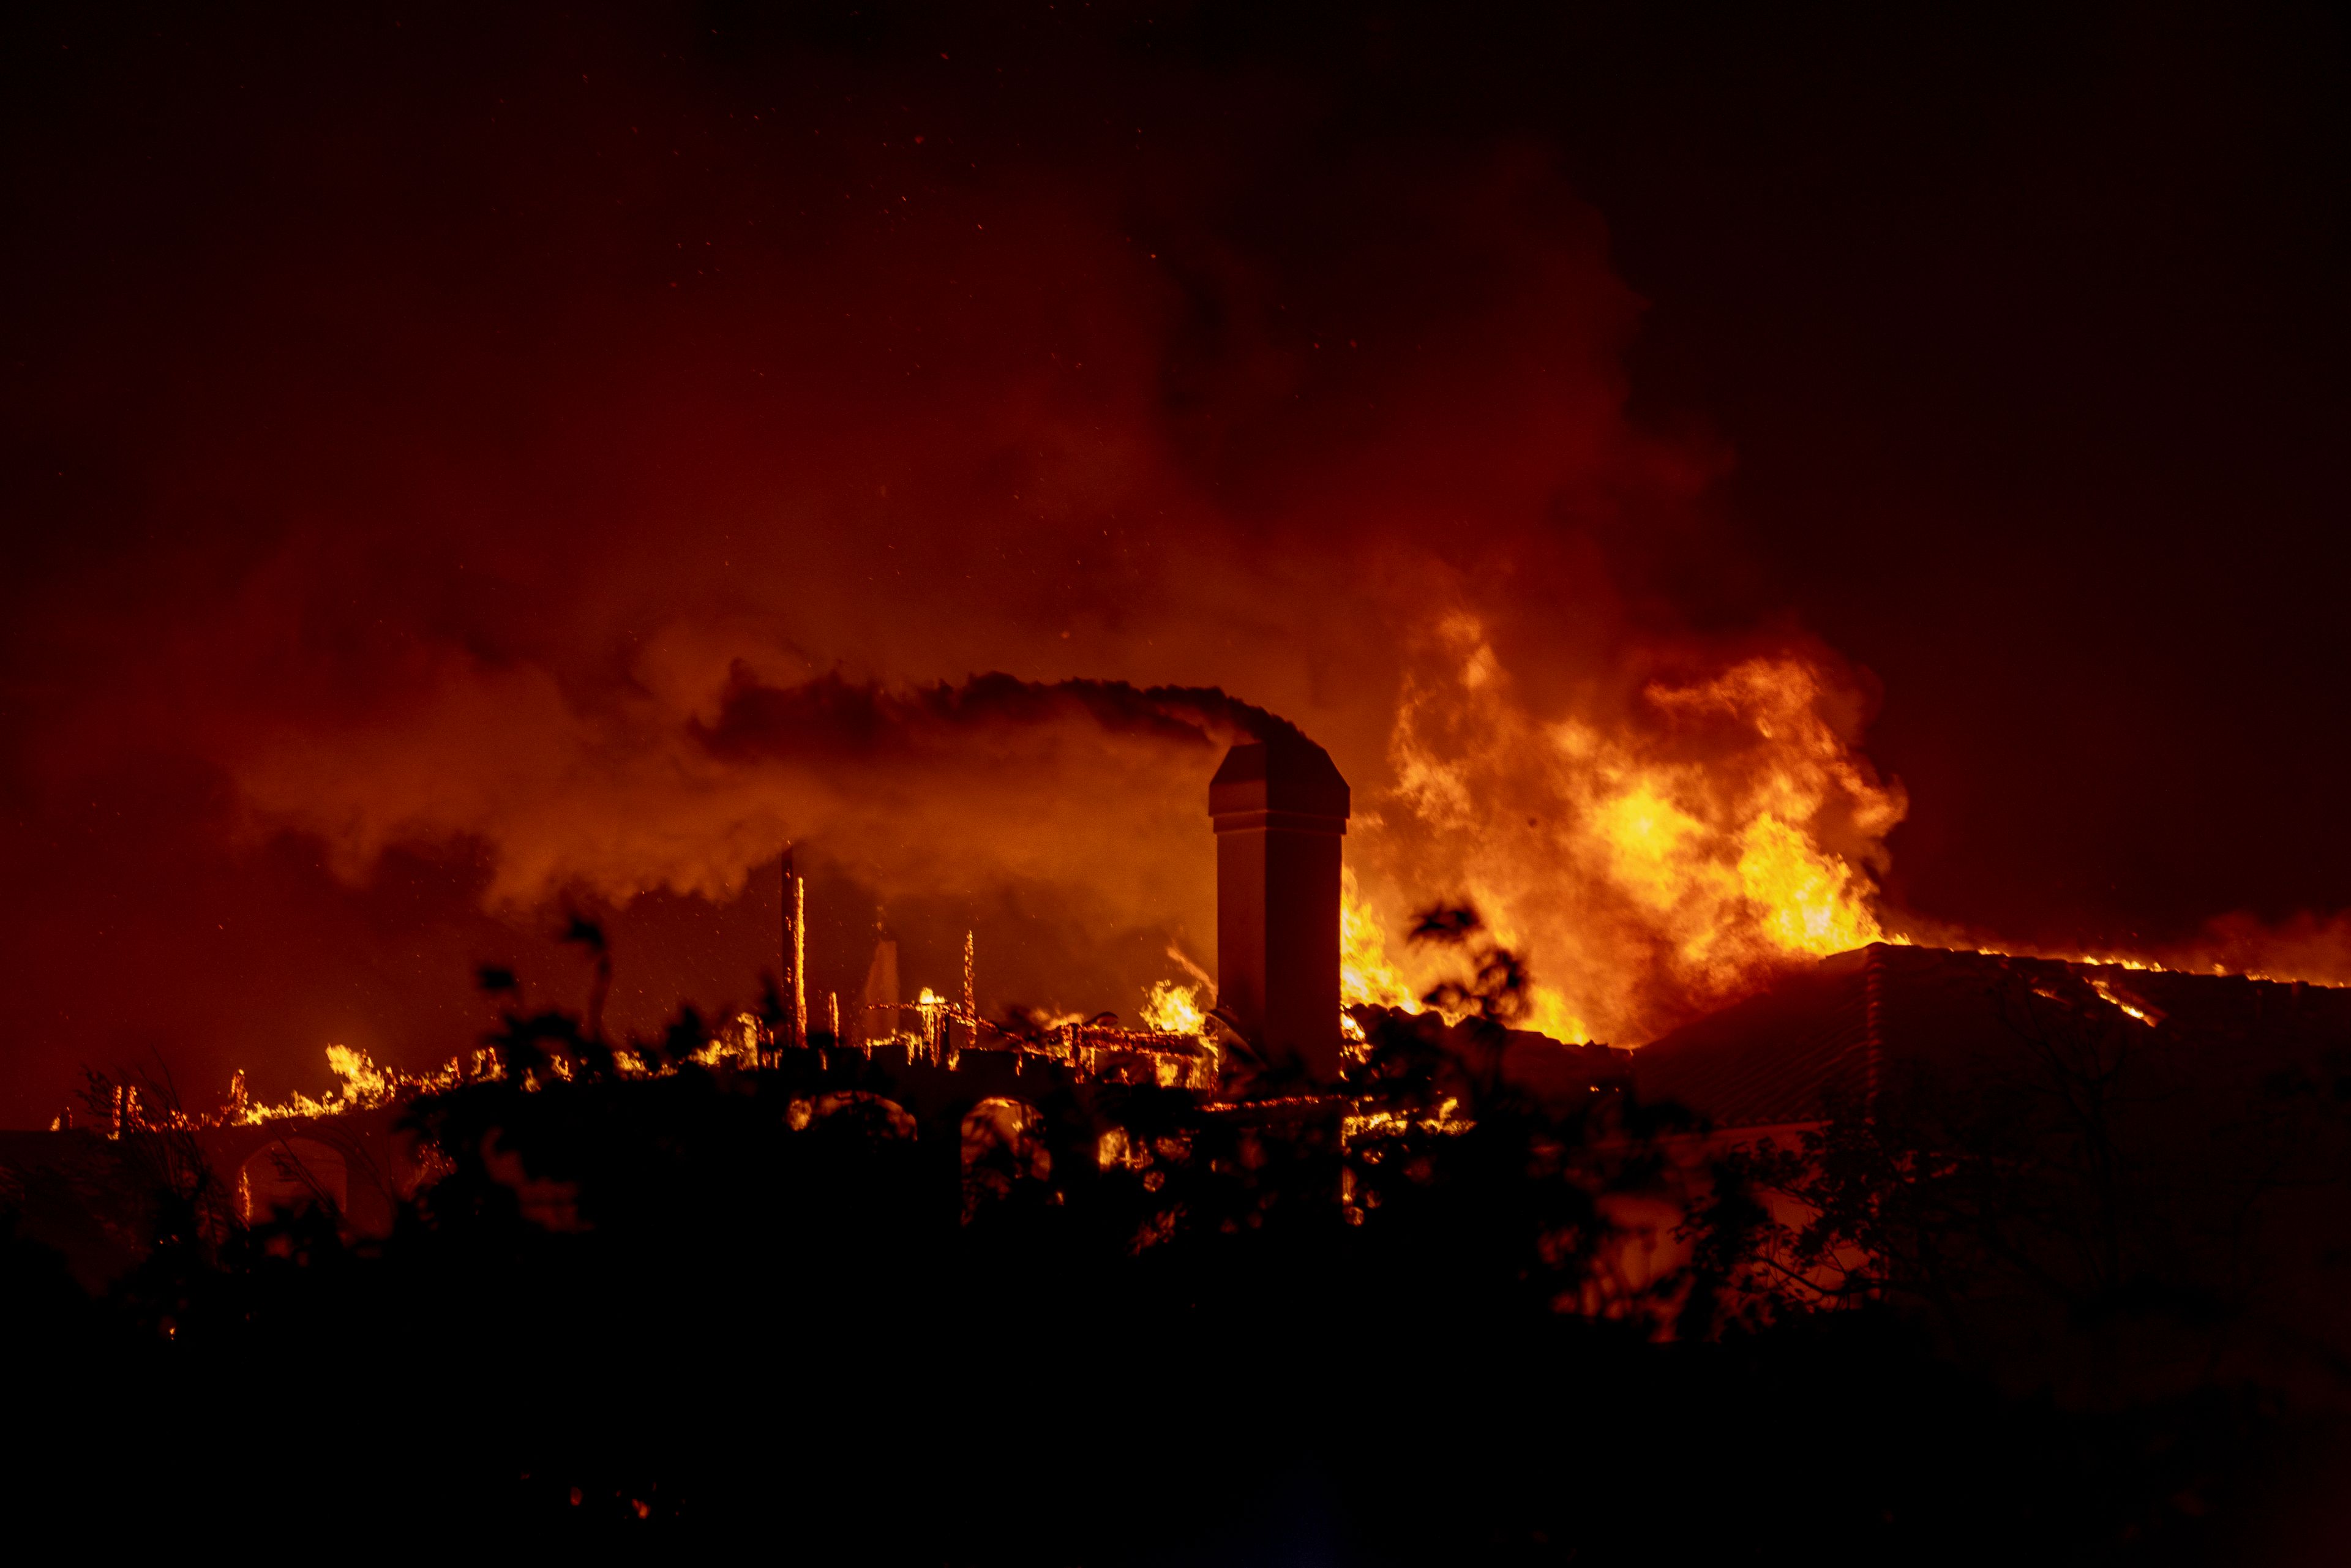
(586, 491)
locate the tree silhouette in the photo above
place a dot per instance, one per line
(1125, 1323)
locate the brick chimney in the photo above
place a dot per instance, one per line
(1279, 810)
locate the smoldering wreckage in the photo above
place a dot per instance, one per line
(1400, 1283)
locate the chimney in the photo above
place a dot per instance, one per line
(1279, 810)
(877, 1013)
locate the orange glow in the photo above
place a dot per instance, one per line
(1365, 976)
(2230, 948)
(2129, 1008)
(1173, 1009)
(1648, 863)
(361, 1085)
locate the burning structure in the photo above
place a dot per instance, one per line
(2031, 1152)
(1402, 1128)
(1787, 1071)
(1279, 810)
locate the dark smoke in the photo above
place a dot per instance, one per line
(836, 719)
(472, 464)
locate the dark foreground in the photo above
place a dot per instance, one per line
(1225, 1339)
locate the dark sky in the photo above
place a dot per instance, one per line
(2030, 337)
(413, 413)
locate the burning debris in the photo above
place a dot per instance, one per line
(361, 1085)
(1176, 1049)
(1305, 975)
(1511, 1181)
(1311, 1024)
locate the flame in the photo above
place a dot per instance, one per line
(1365, 976)
(2129, 1008)
(361, 1085)
(2304, 950)
(744, 1043)
(2280, 962)
(1647, 864)
(363, 1082)
(740, 1041)
(1173, 1009)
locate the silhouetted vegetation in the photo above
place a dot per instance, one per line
(849, 1311)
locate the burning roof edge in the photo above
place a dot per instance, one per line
(1828, 1033)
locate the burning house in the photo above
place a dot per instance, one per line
(1847, 1042)
(2032, 1148)
(1278, 810)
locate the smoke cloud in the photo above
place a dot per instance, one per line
(628, 469)
(1080, 787)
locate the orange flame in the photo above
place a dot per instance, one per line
(1648, 867)
(1365, 976)
(2128, 1005)
(361, 1085)
(1173, 1009)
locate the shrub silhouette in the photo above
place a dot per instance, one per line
(689, 1304)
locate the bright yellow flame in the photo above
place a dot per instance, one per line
(1548, 1013)
(1365, 976)
(1173, 1009)
(1657, 849)
(362, 1086)
(362, 1079)
(1649, 858)
(2128, 1009)
(1806, 899)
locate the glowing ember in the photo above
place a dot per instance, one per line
(2129, 1008)
(361, 1085)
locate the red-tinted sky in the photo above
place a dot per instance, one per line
(413, 418)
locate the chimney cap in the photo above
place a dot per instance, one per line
(1295, 775)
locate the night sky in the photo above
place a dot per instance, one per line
(418, 424)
